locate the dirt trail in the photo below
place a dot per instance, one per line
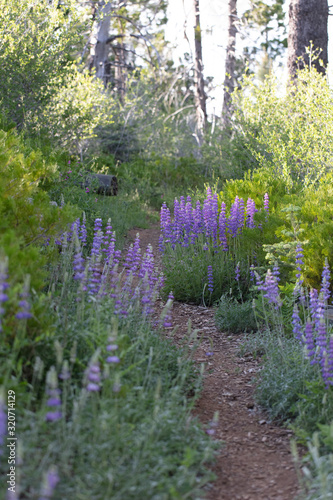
(255, 462)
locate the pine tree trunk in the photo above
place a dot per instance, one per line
(99, 51)
(200, 96)
(229, 79)
(307, 24)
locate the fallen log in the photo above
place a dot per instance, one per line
(104, 184)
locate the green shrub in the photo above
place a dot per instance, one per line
(234, 317)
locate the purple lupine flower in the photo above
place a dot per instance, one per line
(325, 372)
(252, 273)
(166, 226)
(49, 484)
(215, 219)
(198, 221)
(321, 340)
(54, 401)
(75, 228)
(223, 228)
(112, 359)
(329, 366)
(24, 313)
(78, 266)
(24, 305)
(276, 271)
(241, 214)
(3, 286)
(271, 289)
(3, 422)
(296, 322)
(178, 229)
(93, 377)
(234, 218)
(266, 203)
(208, 214)
(250, 211)
(112, 347)
(83, 231)
(65, 373)
(98, 238)
(309, 341)
(237, 272)
(325, 287)
(210, 279)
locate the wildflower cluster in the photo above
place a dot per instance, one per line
(314, 335)
(98, 273)
(210, 220)
(203, 242)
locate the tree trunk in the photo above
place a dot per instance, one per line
(230, 61)
(199, 85)
(120, 58)
(99, 51)
(307, 25)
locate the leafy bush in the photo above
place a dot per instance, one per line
(233, 316)
(290, 134)
(28, 217)
(32, 75)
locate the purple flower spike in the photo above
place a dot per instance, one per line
(330, 362)
(49, 485)
(3, 423)
(272, 290)
(296, 322)
(325, 286)
(223, 228)
(112, 359)
(53, 416)
(309, 342)
(250, 211)
(25, 310)
(210, 279)
(112, 347)
(237, 273)
(266, 203)
(93, 375)
(93, 387)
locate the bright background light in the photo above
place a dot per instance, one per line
(214, 26)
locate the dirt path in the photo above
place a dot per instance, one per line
(255, 462)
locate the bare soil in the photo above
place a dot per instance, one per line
(255, 461)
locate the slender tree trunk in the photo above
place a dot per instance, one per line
(99, 51)
(199, 85)
(307, 25)
(120, 58)
(230, 61)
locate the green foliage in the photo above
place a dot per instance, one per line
(28, 218)
(77, 108)
(234, 317)
(292, 132)
(125, 210)
(296, 215)
(38, 41)
(185, 271)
